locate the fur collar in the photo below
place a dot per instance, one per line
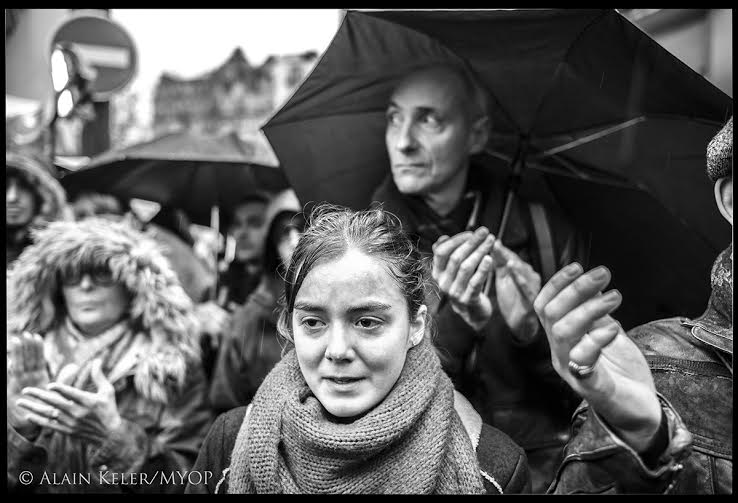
(159, 308)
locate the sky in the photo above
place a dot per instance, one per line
(189, 42)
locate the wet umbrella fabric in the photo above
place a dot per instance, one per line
(613, 128)
(184, 170)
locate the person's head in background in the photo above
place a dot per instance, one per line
(354, 306)
(720, 169)
(247, 226)
(94, 204)
(21, 202)
(436, 119)
(285, 223)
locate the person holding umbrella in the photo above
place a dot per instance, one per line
(489, 336)
(690, 359)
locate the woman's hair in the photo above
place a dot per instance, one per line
(278, 225)
(332, 231)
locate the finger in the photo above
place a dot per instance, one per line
(582, 289)
(476, 282)
(571, 328)
(53, 400)
(83, 377)
(558, 282)
(442, 252)
(440, 240)
(459, 255)
(102, 383)
(67, 374)
(469, 266)
(15, 355)
(588, 349)
(84, 398)
(29, 355)
(36, 350)
(48, 423)
(526, 278)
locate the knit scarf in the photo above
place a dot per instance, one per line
(412, 442)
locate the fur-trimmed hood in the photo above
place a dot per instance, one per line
(50, 193)
(159, 306)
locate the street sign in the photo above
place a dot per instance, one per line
(102, 44)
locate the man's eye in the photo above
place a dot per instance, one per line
(369, 323)
(394, 118)
(431, 121)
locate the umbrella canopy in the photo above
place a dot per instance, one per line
(186, 170)
(610, 126)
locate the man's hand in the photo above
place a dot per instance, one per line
(26, 366)
(516, 286)
(70, 410)
(461, 265)
(576, 318)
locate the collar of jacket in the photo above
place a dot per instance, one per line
(715, 326)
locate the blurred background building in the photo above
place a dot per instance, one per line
(235, 96)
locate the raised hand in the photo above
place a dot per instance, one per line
(461, 265)
(26, 366)
(516, 286)
(593, 354)
(70, 410)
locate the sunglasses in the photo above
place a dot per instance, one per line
(100, 276)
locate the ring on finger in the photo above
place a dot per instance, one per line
(581, 371)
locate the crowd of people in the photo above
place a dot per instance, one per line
(415, 346)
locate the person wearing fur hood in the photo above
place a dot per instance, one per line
(33, 197)
(105, 387)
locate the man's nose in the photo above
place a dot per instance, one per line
(339, 343)
(405, 140)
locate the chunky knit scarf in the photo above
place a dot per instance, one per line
(412, 442)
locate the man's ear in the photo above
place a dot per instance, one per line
(417, 326)
(724, 197)
(479, 134)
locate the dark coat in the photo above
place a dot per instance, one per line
(513, 387)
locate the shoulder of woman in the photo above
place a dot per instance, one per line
(502, 461)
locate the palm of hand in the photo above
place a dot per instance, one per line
(622, 389)
(476, 313)
(515, 294)
(17, 380)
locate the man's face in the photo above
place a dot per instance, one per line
(428, 132)
(20, 203)
(248, 230)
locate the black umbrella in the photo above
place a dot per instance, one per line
(186, 170)
(613, 125)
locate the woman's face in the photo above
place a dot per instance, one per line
(94, 301)
(352, 331)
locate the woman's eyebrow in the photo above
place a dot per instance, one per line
(306, 306)
(369, 306)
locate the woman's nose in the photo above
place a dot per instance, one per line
(86, 282)
(339, 343)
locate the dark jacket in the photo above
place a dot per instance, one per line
(503, 462)
(691, 361)
(248, 352)
(514, 388)
(596, 461)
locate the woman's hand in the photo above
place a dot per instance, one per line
(68, 409)
(26, 366)
(613, 376)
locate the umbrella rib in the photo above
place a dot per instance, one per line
(589, 138)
